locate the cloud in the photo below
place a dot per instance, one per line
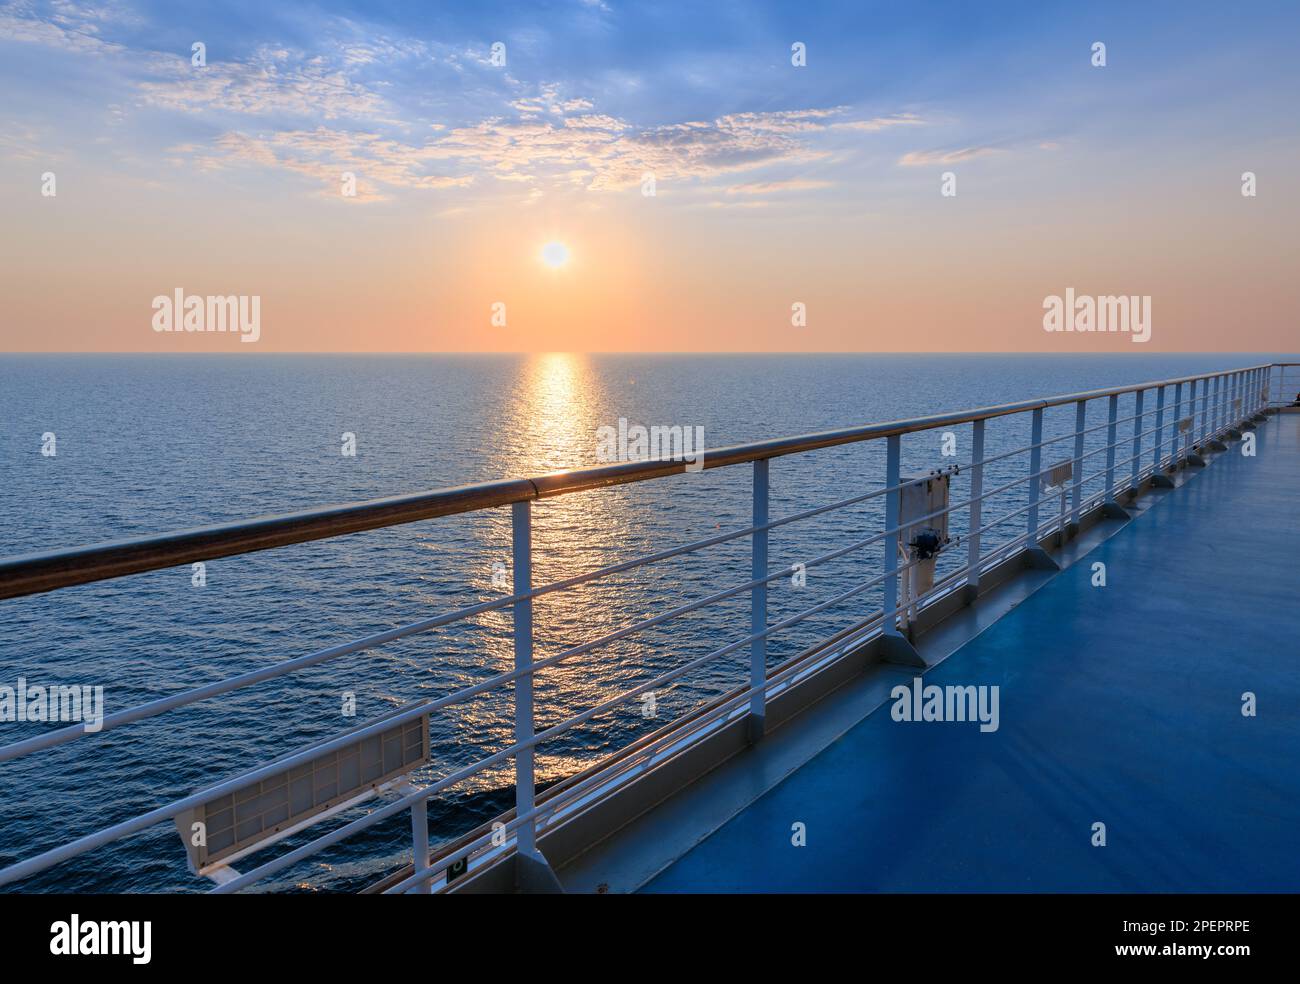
(593, 151)
(922, 158)
(272, 81)
(24, 143)
(550, 101)
(780, 121)
(771, 187)
(325, 155)
(596, 121)
(880, 123)
(63, 25)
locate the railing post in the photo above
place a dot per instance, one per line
(1035, 466)
(1080, 425)
(420, 844)
(521, 526)
(1135, 468)
(1113, 408)
(1215, 418)
(976, 511)
(1225, 407)
(1178, 415)
(1159, 442)
(1205, 409)
(758, 605)
(893, 455)
(895, 648)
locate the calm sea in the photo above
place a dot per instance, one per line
(151, 444)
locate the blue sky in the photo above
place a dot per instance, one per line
(1000, 75)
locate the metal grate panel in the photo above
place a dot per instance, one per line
(236, 821)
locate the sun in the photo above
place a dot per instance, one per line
(555, 254)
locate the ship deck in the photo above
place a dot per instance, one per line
(1119, 705)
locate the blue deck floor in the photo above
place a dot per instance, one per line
(1120, 705)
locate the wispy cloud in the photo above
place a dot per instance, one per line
(273, 81)
(880, 123)
(324, 155)
(774, 187)
(24, 143)
(61, 24)
(922, 158)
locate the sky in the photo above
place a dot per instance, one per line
(798, 155)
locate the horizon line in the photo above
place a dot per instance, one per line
(461, 352)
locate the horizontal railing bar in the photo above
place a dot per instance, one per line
(34, 573)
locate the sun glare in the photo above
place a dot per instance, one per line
(555, 254)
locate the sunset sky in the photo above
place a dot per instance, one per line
(774, 184)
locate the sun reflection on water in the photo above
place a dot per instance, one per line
(551, 426)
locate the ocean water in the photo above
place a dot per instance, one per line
(151, 444)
